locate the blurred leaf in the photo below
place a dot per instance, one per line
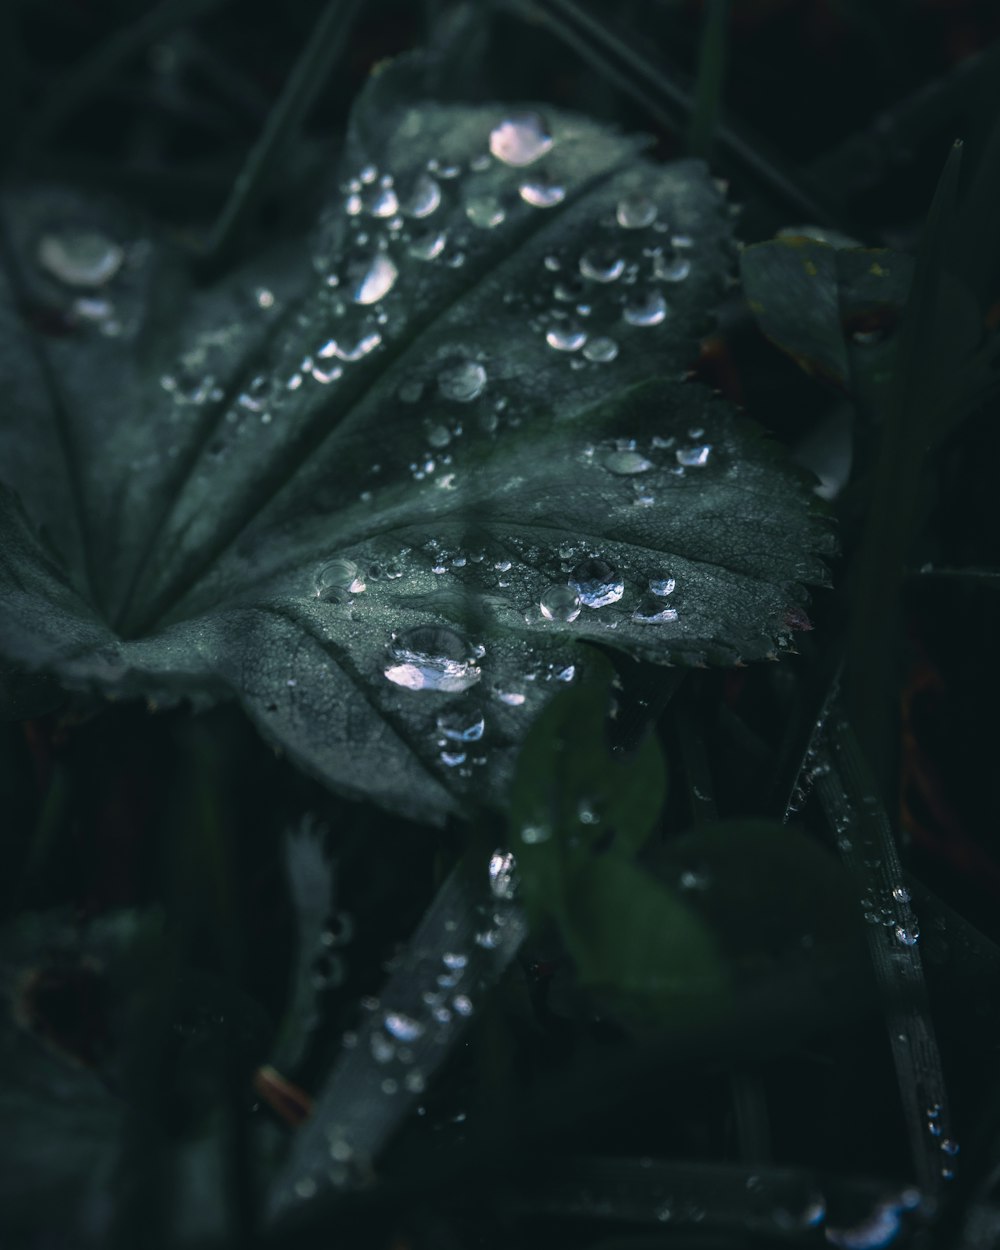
(379, 488)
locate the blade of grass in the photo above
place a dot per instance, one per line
(408, 1033)
(710, 77)
(308, 77)
(980, 577)
(91, 75)
(872, 670)
(657, 89)
(864, 839)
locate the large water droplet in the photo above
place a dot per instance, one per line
(432, 657)
(566, 336)
(601, 264)
(520, 139)
(597, 583)
(601, 350)
(463, 382)
(503, 875)
(372, 279)
(80, 258)
(423, 199)
(559, 603)
(645, 308)
(662, 586)
(694, 457)
(403, 1028)
(542, 193)
(635, 212)
(484, 211)
(380, 200)
(461, 724)
(338, 580)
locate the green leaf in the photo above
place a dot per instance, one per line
(350, 483)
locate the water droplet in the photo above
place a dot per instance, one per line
(463, 382)
(510, 697)
(432, 657)
(423, 199)
(566, 336)
(428, 246)
(626, 462)
(351, 351)
(602, 264)
(305, 1187)
(635, 212)
(438, 436)
(671, 268)
(601, 350)
(559, 603)
(402, 1027)
(662, 586)
(650, 612)
(542, 193)
(461, 724)
(454, 960)
(338, 580)
(533, 834)
(80, 258)
(645, 308)
(597, 583)
(462, 1004)
(950, 1147)
(901, 894)
(415, 1081)
(452, 759)
(908, 935)
(372, 279)
(383, 1050)
(380, 200)
(520, 139)
(503, 874)
(693, 457)
(485, 211)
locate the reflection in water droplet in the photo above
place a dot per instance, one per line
(80, 258)
(542, 193)
(520, 139)
(484, 211)
(428, 246)
(423, 199)
(463, 382)
(503, 874)
(635, 211)
(559, 603)
(671, 268)
(372, 279)
(380, 200)
(694, 457)
(566, 336)
(432, 657)
(350, 351)
(461, 724)
(646, 308)
(601, 350)
(597, 583)
(907, 935)
(403, 1028)
(338, 580)
(626, 462)
(662, 586)
(601, 264)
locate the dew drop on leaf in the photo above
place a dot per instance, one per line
(626, 462)
(338, 580)
(484, 211)
(402, 1027)
(601, 350)
(373, 279)
(432, 657)
(566, 336)
(423, 199)
(520, 139)
(597, 583)
(601, 264)
(645, 308)
(503, 874)
(671, 268)
(428, 246)
(80, 258)
(462, 382)
(380, 201)
(662, 586)
(634, 212)
(542, 193)
(559, 603)
(694, 457)
(650, 612)
(461, 724)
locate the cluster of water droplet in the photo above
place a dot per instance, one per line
(84, 263)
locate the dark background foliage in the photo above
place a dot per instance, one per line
(835, 112)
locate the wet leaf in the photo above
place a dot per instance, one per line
(377, 488)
